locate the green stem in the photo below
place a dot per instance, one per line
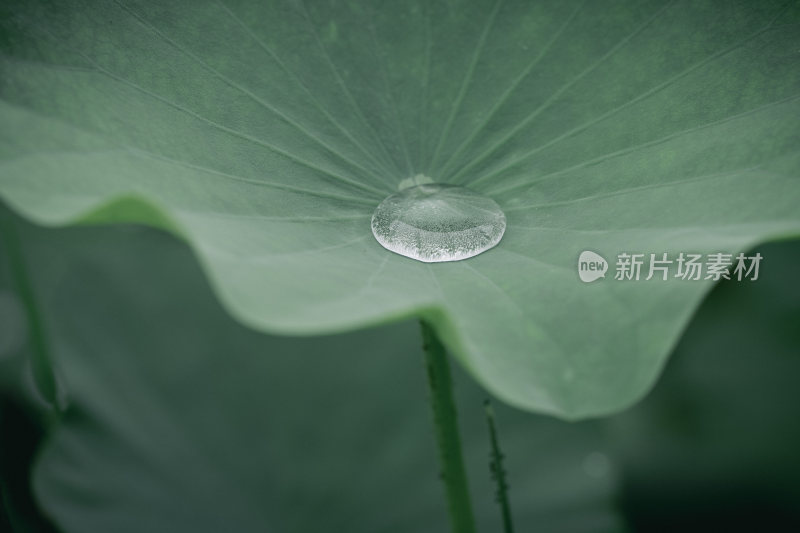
(42, 367)
(451, 461)
(498, 472)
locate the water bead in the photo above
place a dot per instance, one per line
(433, 222)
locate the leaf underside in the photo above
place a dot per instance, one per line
(265, 133)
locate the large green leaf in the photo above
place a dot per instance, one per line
(265, 133)
(180, 419)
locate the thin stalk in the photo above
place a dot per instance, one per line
(498, 472)
(43, 375)
(451, 461)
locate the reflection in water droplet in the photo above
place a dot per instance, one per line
(435, 222)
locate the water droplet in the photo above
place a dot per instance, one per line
(433, 222)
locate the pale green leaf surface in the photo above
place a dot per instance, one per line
(265, 133)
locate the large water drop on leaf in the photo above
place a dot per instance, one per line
(434, 222)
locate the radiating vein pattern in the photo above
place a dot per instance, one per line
(275, 136)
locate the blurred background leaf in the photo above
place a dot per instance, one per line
(715, 446)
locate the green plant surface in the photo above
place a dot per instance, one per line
(714, 445)
(722, 426)
(448, 440)
(265, 133)
(498, 472)
(180, 419)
